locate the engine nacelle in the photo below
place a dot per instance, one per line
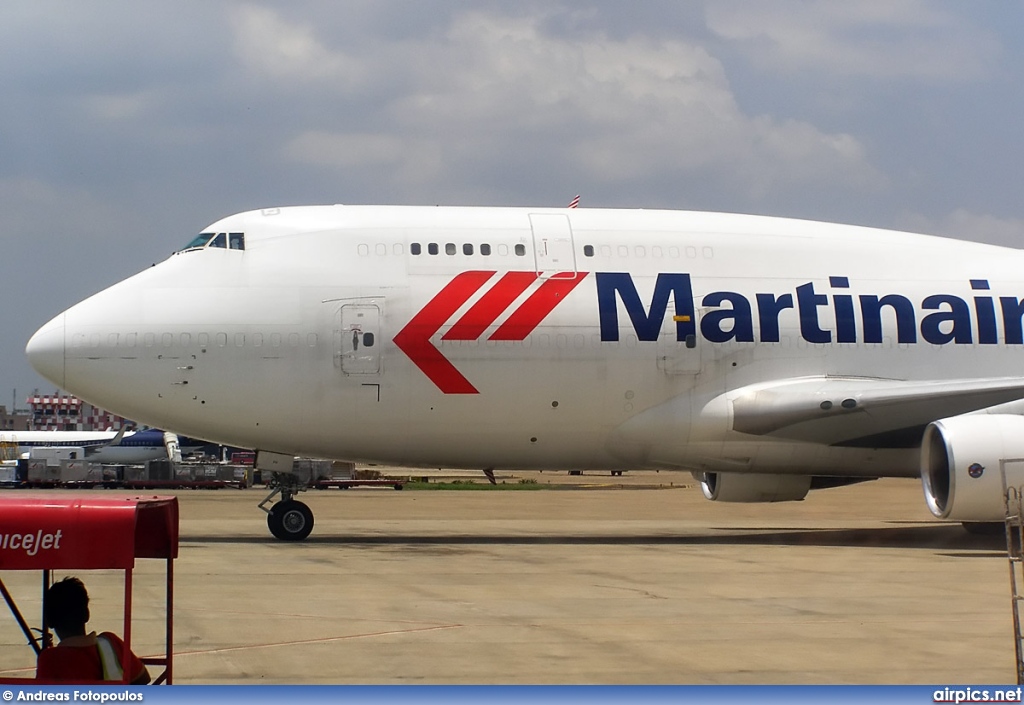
(173, 447)
(967, 462)
(753, 487)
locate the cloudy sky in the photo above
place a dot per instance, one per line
(126, 127)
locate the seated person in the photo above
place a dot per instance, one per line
(80, 656)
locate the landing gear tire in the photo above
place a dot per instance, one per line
(290, 520)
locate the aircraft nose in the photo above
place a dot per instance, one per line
(45, 351)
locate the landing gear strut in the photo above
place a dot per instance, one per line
(289, 519)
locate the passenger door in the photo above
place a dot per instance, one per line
(553, 248)
(358, 341)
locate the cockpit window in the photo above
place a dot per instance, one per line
(199, 241)
(232, 241)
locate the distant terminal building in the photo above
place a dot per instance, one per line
(59, 412)
(14, 420)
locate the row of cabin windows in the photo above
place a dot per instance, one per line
(203, 340)
(450, 248)
(367, 339)
(468, 249)
(655, 251)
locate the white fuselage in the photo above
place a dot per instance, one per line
(517, 338)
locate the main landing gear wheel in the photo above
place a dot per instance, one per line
(290, 520)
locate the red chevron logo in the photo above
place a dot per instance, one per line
(415, 338)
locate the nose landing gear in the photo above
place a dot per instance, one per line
(289, 519)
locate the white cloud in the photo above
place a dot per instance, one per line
(883, 39)
(501, 90)
(274, 48)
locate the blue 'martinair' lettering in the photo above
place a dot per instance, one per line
(822, 313)
(647, 325)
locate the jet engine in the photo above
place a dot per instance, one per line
(750, 487)
(968, 462)
(173, 446)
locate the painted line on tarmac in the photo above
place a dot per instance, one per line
(322, 640)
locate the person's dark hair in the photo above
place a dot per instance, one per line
(66, 605)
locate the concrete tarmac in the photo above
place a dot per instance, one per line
(634, 580)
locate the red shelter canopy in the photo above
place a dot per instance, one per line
(39, 533)
(88, 533)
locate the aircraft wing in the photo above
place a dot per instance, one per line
(862, 412)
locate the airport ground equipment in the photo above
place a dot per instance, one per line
(89, 533)
(1015, 554)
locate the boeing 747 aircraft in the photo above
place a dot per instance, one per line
(768, 356)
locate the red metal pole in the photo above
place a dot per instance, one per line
(126, 658)
(170, 620)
